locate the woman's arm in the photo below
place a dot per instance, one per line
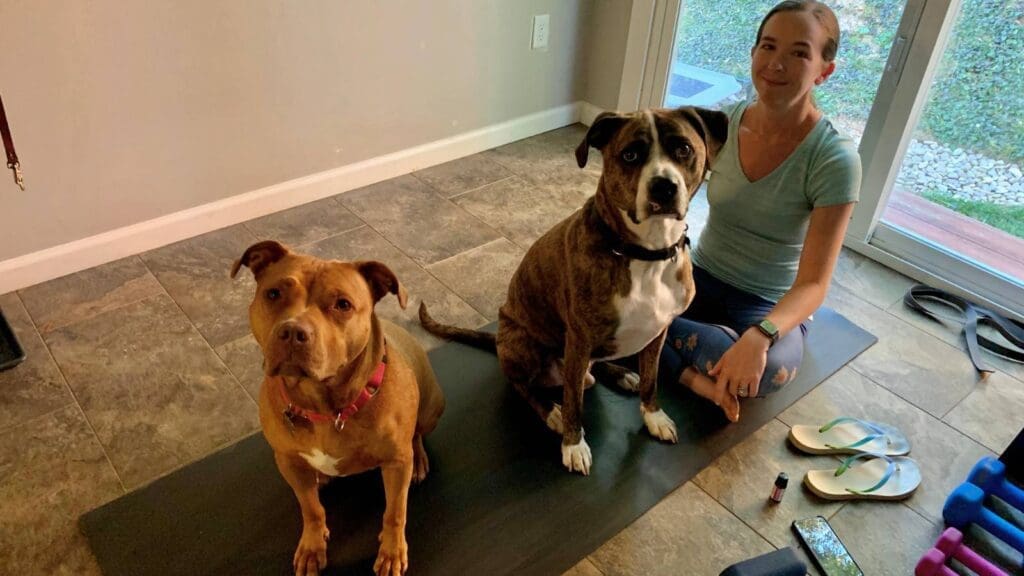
(824, 240)
(742, 366)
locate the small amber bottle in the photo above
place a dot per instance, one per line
(781, 481)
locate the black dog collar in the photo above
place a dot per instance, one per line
(637, 252)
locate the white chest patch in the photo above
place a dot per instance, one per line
(325, 463)
(656, 296)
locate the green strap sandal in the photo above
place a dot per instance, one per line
(877, 477)
(847, 435)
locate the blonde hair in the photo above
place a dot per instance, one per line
(822, 13)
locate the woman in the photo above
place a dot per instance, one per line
(781, 194)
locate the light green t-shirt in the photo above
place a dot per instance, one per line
(755, 230)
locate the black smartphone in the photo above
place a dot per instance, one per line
(825, 548)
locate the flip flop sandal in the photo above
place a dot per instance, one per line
(881, 477)
(850, 436)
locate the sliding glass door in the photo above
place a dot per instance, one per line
(953, 201)
(933, 92)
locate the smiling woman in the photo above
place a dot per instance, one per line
(780, 196)
(927, 91)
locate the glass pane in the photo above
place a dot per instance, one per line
(960, 187)
(711, 63)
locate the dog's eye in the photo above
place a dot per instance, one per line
(630, 156)
(343, 305)
(273, 294)
(682, 152)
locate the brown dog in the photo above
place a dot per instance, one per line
(344, 391)
(606, 282)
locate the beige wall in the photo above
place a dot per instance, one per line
(126, 111)
(606, 51)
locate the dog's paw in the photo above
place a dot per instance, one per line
(629, 381)
(660, 425)
(311, 555)
(554, 420)
(576, 457)
(393, 556)
(419, 471)
(420, 462)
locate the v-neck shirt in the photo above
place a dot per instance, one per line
(755, 230)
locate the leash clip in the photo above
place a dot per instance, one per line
(339, 424)
(19, 179)
(289, 417)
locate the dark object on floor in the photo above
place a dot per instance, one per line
(497, 500)
(11, 353)
(972, 316)
(1013, 457)
(782, 562)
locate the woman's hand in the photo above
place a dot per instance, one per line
(738, 372)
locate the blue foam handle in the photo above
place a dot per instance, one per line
(965, 505)
(989, 474)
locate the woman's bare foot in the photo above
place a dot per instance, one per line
(705, 387)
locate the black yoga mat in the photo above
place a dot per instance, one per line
(497, 500)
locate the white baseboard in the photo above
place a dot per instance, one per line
(588, 112)
(47, 264)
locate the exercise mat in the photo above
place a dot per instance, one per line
(497, 500)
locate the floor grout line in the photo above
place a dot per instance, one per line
(44, 415)
(920, 333)
(458, 195)
(213, 450)
(77, 402)
(306, 247)
(486, 316)
(927, 413)
(201, 335)
(727, 509)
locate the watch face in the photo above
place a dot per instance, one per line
(768, 329)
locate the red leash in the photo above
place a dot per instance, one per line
(12, 156)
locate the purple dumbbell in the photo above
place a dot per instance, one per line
(965, 505)
(951, 544)
(989, 474)
(933, 563)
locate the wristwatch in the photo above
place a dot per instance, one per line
(769, 329)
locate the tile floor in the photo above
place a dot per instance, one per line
(138, 367)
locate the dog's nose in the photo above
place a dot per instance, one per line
(294, 333)
(662, 190)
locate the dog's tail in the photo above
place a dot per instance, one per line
(474, 338)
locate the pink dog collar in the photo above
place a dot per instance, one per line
(293, 412)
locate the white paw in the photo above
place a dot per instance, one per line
(577, 458)
(630, 382)
(554, 420)
(660, 425)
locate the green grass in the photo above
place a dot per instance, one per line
(975, 102)
(1009, 219)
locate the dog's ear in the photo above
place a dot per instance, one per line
(260, 255)
(600, 133)
(382, 281)
(712, 125)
